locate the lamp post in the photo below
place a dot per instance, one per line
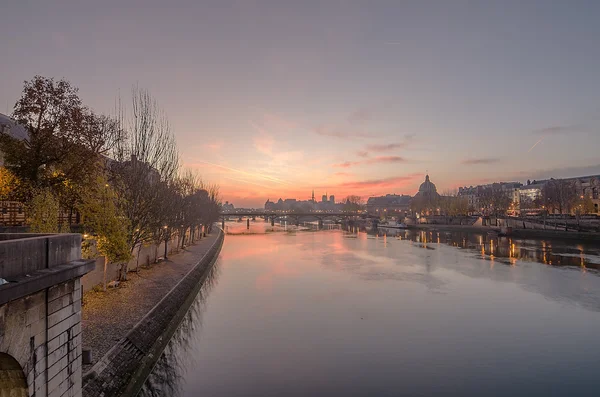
(166, 239)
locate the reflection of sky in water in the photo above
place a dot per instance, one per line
(333, 313)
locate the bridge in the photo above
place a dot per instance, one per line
(40, 314)
(294, 215)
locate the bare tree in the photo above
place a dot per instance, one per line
(559, 195)
(146, 159)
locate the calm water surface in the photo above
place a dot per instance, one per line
(327, 313)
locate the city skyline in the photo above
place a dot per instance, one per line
(271, 100)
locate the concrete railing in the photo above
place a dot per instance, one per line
(24, 253)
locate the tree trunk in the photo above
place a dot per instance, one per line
(137, 260)
(123, 272)
(183, 237)
(104, 276)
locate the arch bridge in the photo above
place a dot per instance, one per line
(40, 314)
(295, 216)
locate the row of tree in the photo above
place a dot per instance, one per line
(120, 173)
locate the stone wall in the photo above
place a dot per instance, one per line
(148, 254)
(30, 325)
(64, 339)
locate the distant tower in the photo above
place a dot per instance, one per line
(313, 196)
(332, 199)
(324, 198)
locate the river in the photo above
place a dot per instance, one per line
(295, 312)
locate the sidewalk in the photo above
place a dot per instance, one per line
(108, 316)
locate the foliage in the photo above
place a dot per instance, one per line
(586, 205)
(121, 173)
(104, 220)
(43, 212)
(353, 204)
(9, 185)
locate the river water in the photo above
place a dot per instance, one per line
(295, 312)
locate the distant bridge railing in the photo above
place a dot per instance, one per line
(293, 214)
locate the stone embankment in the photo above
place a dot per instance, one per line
(519, 233)
(135, 334)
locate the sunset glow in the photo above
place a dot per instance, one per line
(273, 100)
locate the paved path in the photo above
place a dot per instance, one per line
(108, 316)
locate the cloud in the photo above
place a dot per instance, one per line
(264, 144)
(362, 153)
(346, 164)
(557, 130)
(342, 133)
(375, 160)
(214, 146)
(408, 139)
(360, 116)
(566, 172)
(385, 159)
(380, 183)
(255, 175)
(484, 160)
(386, 147)
(343, 174)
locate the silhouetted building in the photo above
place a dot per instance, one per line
(391, 204)
(227, 207)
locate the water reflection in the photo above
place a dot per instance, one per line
(171, 367)
(505, 249)
(357, 312)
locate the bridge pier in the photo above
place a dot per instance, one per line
(320, 224)
(248, 223)
(272, 221)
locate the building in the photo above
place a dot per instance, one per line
(10, 127)
(589, 186)
(479, 196)
(530, 194)
(427, 191)
(228, 207)
(325, 205)
(585, 186)
(389, 204)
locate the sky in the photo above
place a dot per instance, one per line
(273, 99)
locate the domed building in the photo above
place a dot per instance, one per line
(427, 198)
(427, 190)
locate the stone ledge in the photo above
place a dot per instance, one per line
(39, 280)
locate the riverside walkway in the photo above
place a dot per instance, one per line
(107, 317)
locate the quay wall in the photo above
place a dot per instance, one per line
(124, 369)
(144, 256)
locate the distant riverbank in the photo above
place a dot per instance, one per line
(522, 233)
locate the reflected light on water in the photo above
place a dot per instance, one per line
(333, 312)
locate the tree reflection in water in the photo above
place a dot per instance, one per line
(166, 377)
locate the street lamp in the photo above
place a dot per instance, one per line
(165, 227)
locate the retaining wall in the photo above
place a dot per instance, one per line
(144, 256)
(124, 369)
